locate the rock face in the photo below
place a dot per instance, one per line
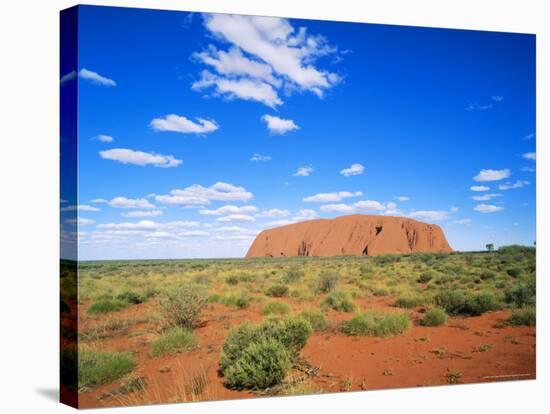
(362, 235)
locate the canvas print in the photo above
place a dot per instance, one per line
(261, 206)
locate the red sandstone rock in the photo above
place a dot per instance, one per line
(366, 235)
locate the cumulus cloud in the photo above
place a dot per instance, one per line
(229, 209)
(143, 213)
(80, 207)
(480, 188)
(98, 201)
(513, 186)
(149, 225)
(183, 125)
(245, 89)
(306, 214)
(260, 157)
(402, 198)
(462, 221)
(137, 203)
(492, 175)
(274, 212)
(532, 156)
(430, 215)
(303, 171)
(488, 208)
(278, 125)
(354, 169)
(128, 156)
(486, 197)
(241, 218)
(197, 195)
(331, 197)
(103, 138)
(95, 78)
(278, 223)
(265, 53)
(355, 208)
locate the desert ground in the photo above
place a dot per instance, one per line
(185, 330)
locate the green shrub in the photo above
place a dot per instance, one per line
(514, 272)
(327, 281)
(523, 317)
(276, 308)
(260, 356)
(425, 277)
(130, 297)
(261, 365)
(434, 317)
(293, 274)
(183, 305)
(380, 291)
(176, 339)
(235, 300)
(105, 306)
(520, 295)
(486, 275)
(410, 300)
(375, 323)
(315, 318)
(101, 367)
(456, 302)
(339, 301)
(277, 291)
(232, 280)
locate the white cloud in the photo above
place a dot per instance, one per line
(177, 123)
(197, 195)
(306, 214)
(354, 169)
(277, 56)
(229, 209)
(532, 156)
(143, 213)
(128, 156)
(528, 169)
(392, 210)
(486, 197)
(492, 175)
(402, 198)
(260, 157)
(331, 197)
(245, 89)
(137, 203)
(103, 138)
(488, 208)
(81, 207)
(480, 188)
(431, 215)
(193, 233)
(274, 212)
(303, 171)
(462, 221)
(69, 76)
(513, 186)
(241, 218)
(98, 201)
(148, 225)
(497, 98)
(278, 125)
(95, 78)
(81, 221)
(278, 223)
(234, 63)
(528, 137)
(358, 207)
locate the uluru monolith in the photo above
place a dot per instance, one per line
(361, 235)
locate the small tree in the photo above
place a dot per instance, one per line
(490, 247)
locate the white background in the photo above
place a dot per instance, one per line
(29, 202)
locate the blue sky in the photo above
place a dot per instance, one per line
(196, 132)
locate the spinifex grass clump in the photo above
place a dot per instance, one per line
(434, 317)
(411, 300)
(456, 302)
(339, 301)
(101, 367)
(106, 306)
(520, 295)
(276, 308)
(327, 281)
(183, 305)
(130, 297)
(277, 291)
(375, 323)
(260, 356)
(315, 318)
(176, 339)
